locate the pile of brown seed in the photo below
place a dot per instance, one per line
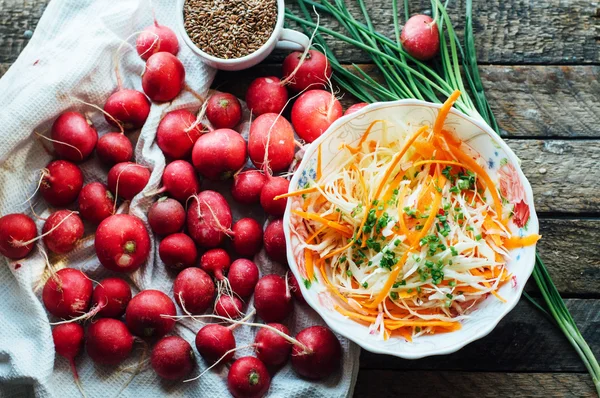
(229, 28)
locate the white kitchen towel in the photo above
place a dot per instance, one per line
(71, 56)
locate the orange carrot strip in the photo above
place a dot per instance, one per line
(308, 264)
(318, 176)
(516, 241)
(296, 193)
(443, 113)
(315, 217)
(317, 232)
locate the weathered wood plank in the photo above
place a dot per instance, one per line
(373, 383)
(524, 341)
(16, 18)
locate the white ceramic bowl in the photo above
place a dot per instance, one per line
(498, 159)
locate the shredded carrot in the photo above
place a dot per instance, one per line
(443, 113)
(308, 264)
(297, 193)
(517, 241)
(318, 174)
(315, 217)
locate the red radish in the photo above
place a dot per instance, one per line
(229, 307)
(218, 154)
(420, 37)
(116, 293)
(313, 72)
(114, 148)
(247, 237)
(272, 298)
(68, 293)
(323, 356)
(166, 216)
(17, 235)
(208, 218)
(164, 77)
(266, 95)
(247, 186)
(144, 314)
(156, 38)
(223, 111)
(74, 137)
(127, 179)
(177, 132)
(64, 229)
(275, 186)
(355, 108)
(172, 358)
(178, 251)
(295, 288)
(271, 139)
(272, 349)
(313, 112)
(95, 202)
(68, 342)
(274, 240)
(248, 378)
(213, 341)
(194, 290)
(243, 276)
(108, 341)
(180, 181)
(61, 183)
(215, 262)
(129, 107)
(122, 243)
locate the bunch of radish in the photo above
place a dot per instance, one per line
(191, 225)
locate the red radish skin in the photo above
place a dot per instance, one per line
(164, 77)
(114, 148)
(115, 293)
(129, 107)
(156, 38)
(67, 294)
(213, 341)
(274, 241)
(314, 72)
(220, 153)
(275, 186)
(295, 288)
(208, 218)
(247, 237)
(223, 111)
(229, 307)
(243, 276)
(16, 229)
(95, 202)
(272, 299)
(271, 134)
(172, 358)
(355, 108)
(180, 181)
(144, 314)
(266, 95)
(420, 37)
(248, 377)
(194, 290)
(72, 130)
(216, 263)
(313, 112)
(127, 179)
(178, 251)
(108, 341)
(324, 353)
(247, 186)
(122, 243)
(68, 342)
(175, 135)
(166, 216)
(67, 230)
(61, 183)
(272, 349)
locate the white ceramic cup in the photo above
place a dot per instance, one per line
(286, 39)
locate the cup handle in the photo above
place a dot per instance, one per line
(292, 41)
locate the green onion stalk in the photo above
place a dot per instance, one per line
(403, 76)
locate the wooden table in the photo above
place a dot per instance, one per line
(540, 66)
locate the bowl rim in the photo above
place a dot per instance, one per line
(332, 323)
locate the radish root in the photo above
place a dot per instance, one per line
(59, 142)
(290, 78)
(122, 130)
(218, 361)
(21, 244)
(138, 367)
(43, 174)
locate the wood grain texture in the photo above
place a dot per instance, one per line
(372, 383)
(524, 341)
(17, 17)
